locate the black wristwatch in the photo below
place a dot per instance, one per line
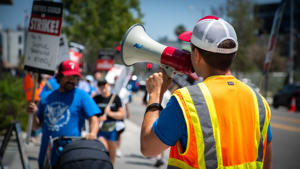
(153, 107)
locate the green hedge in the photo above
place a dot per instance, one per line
(12, 101)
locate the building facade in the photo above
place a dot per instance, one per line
(11, 47)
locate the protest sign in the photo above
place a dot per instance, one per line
(42, 45)
(63, 50)
(119, 75)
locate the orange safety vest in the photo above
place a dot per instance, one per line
(227, 124)
(28, 88)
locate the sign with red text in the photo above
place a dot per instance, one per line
(104, 64)
(43, 37)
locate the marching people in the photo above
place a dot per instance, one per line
(125, 95)
(93, 89)
(62, 112)
(108, 133)
(218, 123)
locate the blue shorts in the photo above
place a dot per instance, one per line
(111, 136)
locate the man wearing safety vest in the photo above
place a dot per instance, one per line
(218, 123)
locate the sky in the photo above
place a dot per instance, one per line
(161, 17)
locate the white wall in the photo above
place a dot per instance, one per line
(12, 46)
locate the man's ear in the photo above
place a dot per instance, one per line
(198, 56)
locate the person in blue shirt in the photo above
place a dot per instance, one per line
(93, 89)
(219, 123)
(63, 111)
(176, 117)
(51, 84)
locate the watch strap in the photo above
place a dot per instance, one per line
(154, 107)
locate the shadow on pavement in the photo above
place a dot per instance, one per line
(135, 156)
(140, 163)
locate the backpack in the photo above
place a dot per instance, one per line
(84, 154)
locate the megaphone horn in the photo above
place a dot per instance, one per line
(137, 46)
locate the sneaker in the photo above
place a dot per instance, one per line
(159, 163)
(119, 153)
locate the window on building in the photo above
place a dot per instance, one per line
(20, 53)
(20, 39)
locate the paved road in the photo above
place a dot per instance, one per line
(286, 139)
(285, 131)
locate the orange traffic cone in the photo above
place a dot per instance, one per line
(293, 105)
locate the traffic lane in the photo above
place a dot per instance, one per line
(285, 149)
(283, 119)
(286, 138)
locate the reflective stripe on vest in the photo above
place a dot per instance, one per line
(204, 105)
(263, 123)
(208, 121)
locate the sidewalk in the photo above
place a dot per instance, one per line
(130, 147)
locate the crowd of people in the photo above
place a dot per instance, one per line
(65, 102)
(217, 123)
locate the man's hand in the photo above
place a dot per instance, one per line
(32, 108)
(94, 127)
(154, 82)
(167, 81)
(156, 85)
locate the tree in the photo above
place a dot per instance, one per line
(240, 13)
(179, 29)
(12, 101)
(99, 23)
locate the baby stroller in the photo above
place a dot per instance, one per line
(77, 152)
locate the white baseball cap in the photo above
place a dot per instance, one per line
(209, 32)
(89, 78)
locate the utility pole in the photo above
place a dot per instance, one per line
(291, 53)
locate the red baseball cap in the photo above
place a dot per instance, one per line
(70, 68)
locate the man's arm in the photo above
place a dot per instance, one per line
(32, 108)
(151, 145)
(268, 157)
(94, 127)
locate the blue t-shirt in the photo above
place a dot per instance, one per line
(63, 114)
(46, 90)
(92, 89)
(169, 133)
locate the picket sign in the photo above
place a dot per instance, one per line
(42, 43)
(122, 74)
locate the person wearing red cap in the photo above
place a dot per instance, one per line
(63, 111)
(218, 123)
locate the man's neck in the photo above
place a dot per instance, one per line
(62, 90)
(215, 73)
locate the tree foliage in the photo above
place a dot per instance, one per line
(12, 101)
(99, 23)
(179, 29)
(240, 13)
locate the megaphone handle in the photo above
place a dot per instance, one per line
(170, 71)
